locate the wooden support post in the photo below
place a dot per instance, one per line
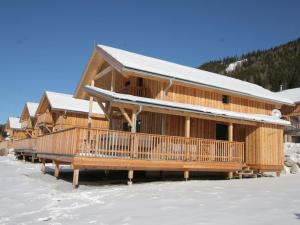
(230, 138)
(230, 132)
(186, 175)
(75, 177)
(32, 158)
(91, 107)
(230, 175)
(56, 169)
(187, 126)
(133, 130)
(24, 158)
(133, 120)
(130, 177)
(43, 167)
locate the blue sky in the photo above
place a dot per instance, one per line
(45, 45)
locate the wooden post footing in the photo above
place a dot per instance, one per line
(186, 175)
(43, 167)
(75, 177)
(130, 177)
(56, 169)
(230, 175)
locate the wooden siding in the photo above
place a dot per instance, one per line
(264, 146)
(195, 96)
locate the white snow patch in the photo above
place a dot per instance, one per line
(232, 66)
(29, 197)
(293, 151)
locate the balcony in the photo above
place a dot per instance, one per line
(120, 150)
(44, 119)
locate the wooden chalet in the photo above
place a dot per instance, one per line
(292, 114)
(58, 111)
(13, 129)
(168, 117)
(26, 147)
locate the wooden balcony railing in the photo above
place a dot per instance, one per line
(296, 125)
(25, 144)
(45, 118)
(137, 91)
(126, 145)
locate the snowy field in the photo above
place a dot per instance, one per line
(28, 197)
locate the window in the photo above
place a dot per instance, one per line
(221, 132)
(138, 126)
(140, 82)
(225, 99)
(126, 127)
(127, 83)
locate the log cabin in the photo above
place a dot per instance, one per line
(59, 111)
(26, 148)
(292, 114)
(169, 117)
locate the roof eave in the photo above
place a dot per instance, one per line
(161, 76)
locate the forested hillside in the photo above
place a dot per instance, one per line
(269, 68)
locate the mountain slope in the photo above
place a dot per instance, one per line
(269, 68)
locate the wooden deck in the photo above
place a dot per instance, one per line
(108, 149)
(25, 148)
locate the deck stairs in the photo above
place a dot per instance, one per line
(245, 172)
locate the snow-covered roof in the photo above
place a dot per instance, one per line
(61, 101)
(130, 99)
(292, 94)
(14, 122)
(32, 107)
(129, 61)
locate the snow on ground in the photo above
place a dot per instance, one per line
(29, 197)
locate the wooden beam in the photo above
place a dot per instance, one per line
(113, 81)
(91, 106)
(104, 108)
(124, 113)
(103, 73)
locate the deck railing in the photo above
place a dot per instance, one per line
(25, 144)
(296, 125)
(137, 91)
(126, 145)
(44, 118)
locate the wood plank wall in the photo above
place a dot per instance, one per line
(264, 145)
(196, 96)
(75, 119)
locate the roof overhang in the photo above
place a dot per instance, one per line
(174, 108)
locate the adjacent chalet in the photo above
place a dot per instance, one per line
(292, 114)
(54, 113)
(28, 119)
(58, 111)
(25, 147)
(13, 128)
(168, 117)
